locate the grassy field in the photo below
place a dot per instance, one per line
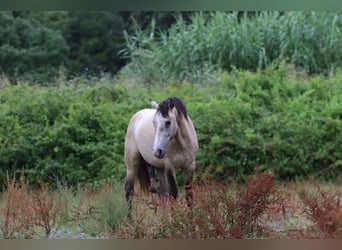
(259, 208)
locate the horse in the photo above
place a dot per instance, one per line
(165, 138)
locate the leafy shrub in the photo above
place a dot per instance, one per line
(268, 121)
(62, 134)
(244, 121)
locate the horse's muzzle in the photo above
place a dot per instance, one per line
(159, 153)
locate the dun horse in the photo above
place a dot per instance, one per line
(165, 138)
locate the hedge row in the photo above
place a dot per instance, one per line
(245, 121)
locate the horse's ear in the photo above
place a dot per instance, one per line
(154, 104)
(171, 103)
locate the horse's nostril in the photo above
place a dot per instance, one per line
(159, 153)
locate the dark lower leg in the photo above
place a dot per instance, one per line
(164, 187)
(173, 186)
(153, 179)
(129, 194)
(188, 188)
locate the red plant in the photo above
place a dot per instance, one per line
(324, 209)
(217, 212)
(24, 209)
(253, 199)
(17, 214)
(45, 208)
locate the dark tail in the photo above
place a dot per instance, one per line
(144, 177)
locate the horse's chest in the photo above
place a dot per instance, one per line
(178, 159)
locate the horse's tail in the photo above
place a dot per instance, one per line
(144, 177)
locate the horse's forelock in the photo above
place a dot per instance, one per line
(164, 107)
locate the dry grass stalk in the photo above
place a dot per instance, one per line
(25, 210)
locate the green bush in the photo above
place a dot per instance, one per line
(65, 134)
(245, 121)
(267, 121)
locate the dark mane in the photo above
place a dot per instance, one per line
(164, 106)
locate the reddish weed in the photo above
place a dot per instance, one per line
(324, 209)
(24, 210)
(217, 212)
(17, 213)
(255, 209)
(46, 208)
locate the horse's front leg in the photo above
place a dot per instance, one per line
(164, 185)
(188, 175)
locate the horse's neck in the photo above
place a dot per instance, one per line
(186, 135)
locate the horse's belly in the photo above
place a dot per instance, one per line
(155, 162)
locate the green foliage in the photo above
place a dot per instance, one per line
(164, 45)
(95, 39)
(221, 40)
(267, 121)
(245, 121)
(62, 133)
(112, 206)
(35, 44)
(28, 50)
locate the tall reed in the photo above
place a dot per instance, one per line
(220, 40)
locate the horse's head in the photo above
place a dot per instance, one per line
(165, 123)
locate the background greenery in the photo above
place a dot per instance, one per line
(35, 46)
(220, 40)
(264, 90)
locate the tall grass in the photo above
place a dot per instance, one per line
(219, 40)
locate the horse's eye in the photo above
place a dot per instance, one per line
(167, 124)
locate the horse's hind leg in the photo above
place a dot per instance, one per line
(132, 164)
(188, 175)
(129, 189)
